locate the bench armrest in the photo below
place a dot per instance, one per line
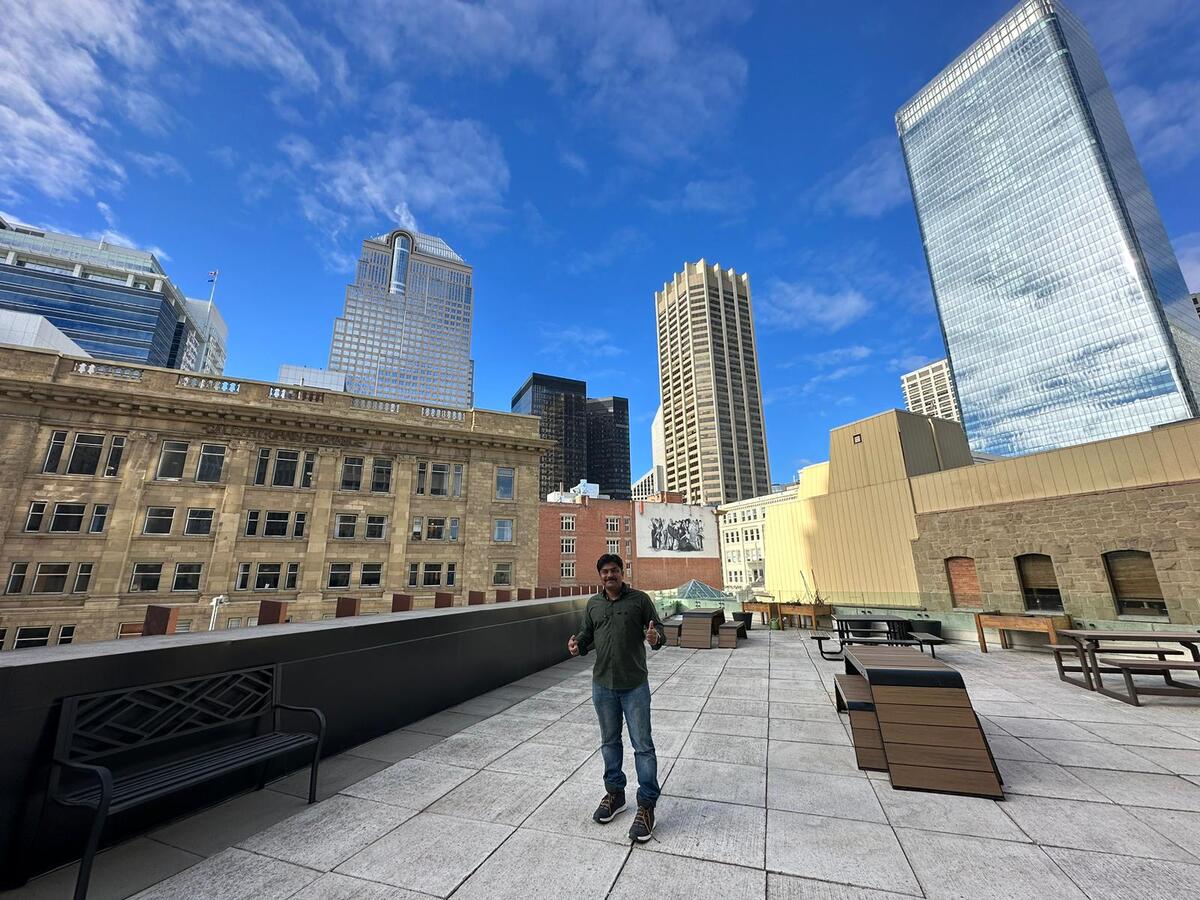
(102, 774)
(311, 710)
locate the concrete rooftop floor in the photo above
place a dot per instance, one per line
(761, 798)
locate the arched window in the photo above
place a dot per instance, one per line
(1134, 583)
(964, 582)
(400, 247)
(1039, 585)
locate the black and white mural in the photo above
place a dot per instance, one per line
(673, 529)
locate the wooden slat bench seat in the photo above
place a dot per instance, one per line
(671, 629)
(1130, 667)
(728, 634)
(853, 695)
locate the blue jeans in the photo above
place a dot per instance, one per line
(635, 705)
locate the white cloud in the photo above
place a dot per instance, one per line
(872, 184)
(112, 235)
(839, 356)
(909, 362)
(729, 195)
(1187, 249)
(573, 340)
(573, 161)
(619, 244)
(1163, 121)
(799, 306)
(160, 164)
(1123, 31)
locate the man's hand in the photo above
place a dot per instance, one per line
(651, 635)
(572, 646)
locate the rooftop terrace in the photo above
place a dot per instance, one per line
(761, 798)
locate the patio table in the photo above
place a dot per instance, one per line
(1087, 645)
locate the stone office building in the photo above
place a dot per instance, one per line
(124, 486)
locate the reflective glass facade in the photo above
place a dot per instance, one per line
(406, 330)
(561, 406)
(608, 446)
(1064, 311)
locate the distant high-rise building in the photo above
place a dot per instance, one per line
(652, 482)
(1065, 315)
(715, 440)
(561, 405)
(406, 330)
(608, 445)
(1196, 303)
(930, 391)
(114, 302)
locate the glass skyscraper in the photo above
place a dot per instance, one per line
(1065, 315)
(406, 330)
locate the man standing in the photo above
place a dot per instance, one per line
(615, 622)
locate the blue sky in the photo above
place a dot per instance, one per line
(576, 154)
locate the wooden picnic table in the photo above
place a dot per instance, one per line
(1049, 625)
(897, 626)
(699, 626)
(1088, 645)
(910, 715)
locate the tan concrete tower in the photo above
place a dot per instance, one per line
(716, 444)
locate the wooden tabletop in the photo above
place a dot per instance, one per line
(1183, 637)
(865, 618)
(900, 666)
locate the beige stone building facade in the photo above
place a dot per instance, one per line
(742, 526)
(122, 487)
(715, 445)
(901, 517)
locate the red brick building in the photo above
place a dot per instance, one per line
(572, 536)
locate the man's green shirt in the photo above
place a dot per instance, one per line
(617, 629)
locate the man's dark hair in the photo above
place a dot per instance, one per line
(609, 558)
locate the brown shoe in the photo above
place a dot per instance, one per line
(609, 807)
(643, 824)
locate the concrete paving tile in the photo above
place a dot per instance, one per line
(740, 689)
(327, 833)
(746, 751)
(1007, 747)
(569, 811)
(411, 783)
(689, 686)
(514, 692)
(667, 741)
(591, 772)
(806, 712)
(862, 854)
(233, 875)
(663, 699)
(843, 796)
(726, 782)
(509, 726)
(1179, 762)
(958, 866)
(665, 877)
(332, 886)
(444, 723)
(725, 706)
(333, 774)
(547, 760)
(1002, 709)
(815, 697)
(429, 853)
(395, 746)
(1103, 827)
(672, 719)
(532, 865)
(495, 797)
(212, 830)
(740, 726)
(540, 708)
(790, 887)
(702, 829)
(975, 816)
(116, 873)
(1141, 735)
(809, 732)
(1141, 789)
(1178, 826)
(582, 735)
(826, 758)
(1045, 780)
(470, 751)
(483, 706)
(1093, 755)
(1108, 877)
(1052, 729)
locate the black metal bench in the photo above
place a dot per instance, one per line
(821, 638)
(121, 749)
(925, 639)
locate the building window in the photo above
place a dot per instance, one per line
(129, 630)
(116, 450)
(456, 482)
(376, 528)
(381, 476)
(183, 626)
(235, 622)
(199, 521)
(435, 528)
(1135, 584)
(347, 524)
(422, 475)
(293, 574)
(243, 577)
(612, 545)
(83, 578)
(50, 578)
(306, 476)
(16, 578)
(568, 546)
(158, 520)
(266, 577)
(506, 478)
(566, 569)
(857, 438)
(276, 524)
(286, 463)
(300, 521)
(85, 454)
(371, 575)
(964, 583)
(339, 575)
(439, 480)
(414, 572)
(171, 460)
(415, 534)
(352, 468)
(1039, 586)
(260, 468)
(66, 634)
(432, 575)
(187, 577)
(212, 461)
(146, 577)
(567, 522)
(451, 573)
(32, 636)
(503, 531)
(502, 574)
(252, 516)
(612, 524)
(54, 452)
(99, 518)
(37, 513)
(628, 524)
(453, 533)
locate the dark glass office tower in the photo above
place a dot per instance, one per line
(608, 446)
(1064, 311)
(561, 404)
